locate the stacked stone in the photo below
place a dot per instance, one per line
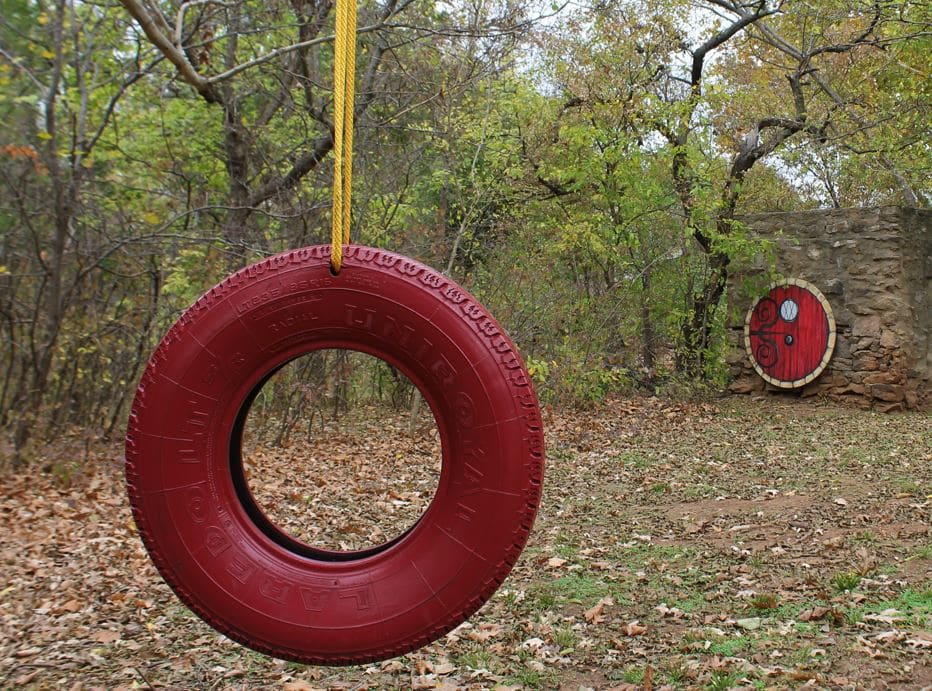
(875, 268)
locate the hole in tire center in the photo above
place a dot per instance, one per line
(340, 451)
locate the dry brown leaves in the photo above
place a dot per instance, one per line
(679, 545)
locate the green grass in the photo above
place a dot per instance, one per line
(634, 459)
(479, 659)
(699, 491)
(696, 601)
(803, 627)
(565, 638)
(866, 537)
(633, 675)
(641, 552)
(531, 679)
(914, 606)
(675, 672)
(730, 646)
(790, 610)
(765, 601)
(721, 681)
(845, 580)
(566, 551)
(579, 589)
(908, 485)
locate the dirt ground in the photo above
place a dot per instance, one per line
(741, 543)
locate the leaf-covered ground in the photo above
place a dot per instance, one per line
(737, 544)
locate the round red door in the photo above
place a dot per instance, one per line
(790, 334)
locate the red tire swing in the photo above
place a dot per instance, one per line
(203, 528)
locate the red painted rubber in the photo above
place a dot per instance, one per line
(210, 540)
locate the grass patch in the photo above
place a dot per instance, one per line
(908, 485)
(722, 680)
(480, 659)
(700, 491)
(694, 602)
(914, 606)
(579, 589)
(730, 646)
(531, 679)
(845, 580)
(633, 459)
(565, 638)
(765, 601)
(641, 553)
(633, 675)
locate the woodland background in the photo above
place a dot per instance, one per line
(582, 168)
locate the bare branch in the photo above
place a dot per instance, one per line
(22, 68)
(770, 36)
(721, 37)
(153, 28)
(179, 20)
(392, 10)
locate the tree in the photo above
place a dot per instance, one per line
(265, 66)
(865, 62)
(725, 90)
(62, 93)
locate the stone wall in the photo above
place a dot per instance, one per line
(875, 268)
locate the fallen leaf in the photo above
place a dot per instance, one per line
(673, 612)
(444, 667)
(888, 616)
(24, 679)
(423, 682)
(919, 643)
(634, 628)
(484, 632)
(594, 615)
(70, 606)
(533, 643)
(814, 614)
(106, 636)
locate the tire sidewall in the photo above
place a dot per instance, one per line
(322, 610)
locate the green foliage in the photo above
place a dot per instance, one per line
(588, 197)
(845, 580)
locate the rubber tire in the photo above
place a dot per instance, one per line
(228, 562)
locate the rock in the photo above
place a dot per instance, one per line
(889, 340)
(869, 363)
(888, 392)
(881, 378)
(889, 407)
(744, 385)
(865, 328)
(749, 624)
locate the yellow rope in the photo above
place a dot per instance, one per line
(344, 87)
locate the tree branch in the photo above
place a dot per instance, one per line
(151, 26)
